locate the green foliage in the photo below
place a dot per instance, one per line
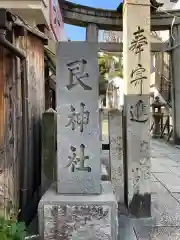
(103, 67)
(12, 230)
(105, 62)
(115, 74)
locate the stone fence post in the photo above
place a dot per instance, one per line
(49, 120)
(116, 153)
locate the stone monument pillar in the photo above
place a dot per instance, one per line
(116, 153)
(175, 56)
(83, 207)
(136, 56)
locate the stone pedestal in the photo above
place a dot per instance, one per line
(78, 217)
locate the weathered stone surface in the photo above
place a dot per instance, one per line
(104, 173)
(139, 164)
(160, 233)
(174, 157)
(153, 178)
(158, 166)
(110, 20)
(48, 149)
(78, 134)
(170, 181)
(165, 220)
(73, 217)
(126, 234)
(176, 196)
(140, 205)
(175, 74)
(165, 208)
(100, 122)
(116, 153)
(136, 72)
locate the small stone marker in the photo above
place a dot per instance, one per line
(78, 142)
(116, 153)
(48, 164)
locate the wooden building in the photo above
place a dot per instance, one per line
(22, 102)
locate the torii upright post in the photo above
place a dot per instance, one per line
(136, 57)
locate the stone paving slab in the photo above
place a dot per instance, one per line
(158, 233)
(126, 230)
(169, 180)
(156, 154)
(175, 157)
(176, 171)
(176, 196)
(165, 187)
(164, 161)
(165, 210)
(126, 234)
(165, 207)
(159, 168)
(153, 178)
(157, 188)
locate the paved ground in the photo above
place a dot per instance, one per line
(165, 188)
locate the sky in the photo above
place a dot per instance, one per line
(77, 33)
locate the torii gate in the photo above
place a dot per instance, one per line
(100, 19)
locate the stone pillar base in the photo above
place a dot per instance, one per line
(140, 206)
(78, 217)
